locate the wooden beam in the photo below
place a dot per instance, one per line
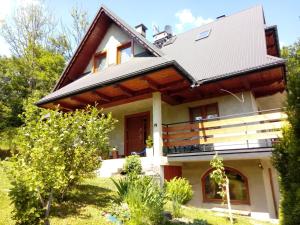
(174, 84)
(125, 90)
(152, 84)
(170, 100)
(102, 97)
(64, 105)
(81, 100)
(125, 100)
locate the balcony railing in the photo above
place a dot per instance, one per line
(255, 130)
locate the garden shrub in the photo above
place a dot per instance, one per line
(179, 191)
(56, 150)
(122, 186)
(145, 201)
(133, 165)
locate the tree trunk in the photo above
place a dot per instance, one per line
(228, 200)
(48, 207)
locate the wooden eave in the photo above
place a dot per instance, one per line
(175, 89)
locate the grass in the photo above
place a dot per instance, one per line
(86, 202)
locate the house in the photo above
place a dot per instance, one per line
(216, 88)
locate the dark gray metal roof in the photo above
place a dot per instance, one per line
(235, 44)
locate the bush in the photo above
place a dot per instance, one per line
(122, 186)
(179, 191)
(145, 201)
(56, 150)
(133, 165)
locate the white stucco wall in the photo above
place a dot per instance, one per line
(258, 206)
(113, 38)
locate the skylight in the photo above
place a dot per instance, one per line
(203, 34)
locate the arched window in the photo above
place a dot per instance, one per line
(238, 187)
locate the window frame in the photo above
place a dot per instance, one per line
(203, 108)
(97, 56)
(121, 47)
(235, 202)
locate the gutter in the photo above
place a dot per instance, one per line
(240, 73)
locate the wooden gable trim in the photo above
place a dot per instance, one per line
(95, 34)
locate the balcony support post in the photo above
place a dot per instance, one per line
(157, 132)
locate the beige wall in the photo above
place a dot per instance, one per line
(228, 105)
(194, 171)
(111, 40)
(271, 102)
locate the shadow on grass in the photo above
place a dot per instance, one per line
(83, 195)
(195, 222)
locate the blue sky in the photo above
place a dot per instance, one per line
(181, 15)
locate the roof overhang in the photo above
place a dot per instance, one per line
(166, 78)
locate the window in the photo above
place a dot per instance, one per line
(99, 61)
(204, 112)
(203, 35)
(124, 53)
(238, 187)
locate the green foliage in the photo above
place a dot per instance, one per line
(122, 186)
(36, 70)
(179, 191)
(286, 156)
(218, 175)
(145, 200)
(149, 142)
(133, 165)
(56, 151)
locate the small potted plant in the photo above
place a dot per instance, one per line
(115, 153)
(149, 146)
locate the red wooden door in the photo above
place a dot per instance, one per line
(172, 171)
(136, 130)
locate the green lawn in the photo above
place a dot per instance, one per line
(85, 204)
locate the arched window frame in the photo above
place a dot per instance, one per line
(237, 202)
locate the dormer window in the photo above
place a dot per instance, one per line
(99, 61)
(124, 53)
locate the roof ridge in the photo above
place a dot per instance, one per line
(145, 40)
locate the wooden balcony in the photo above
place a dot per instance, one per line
(229, 134)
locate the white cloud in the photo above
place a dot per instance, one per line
(186, 18)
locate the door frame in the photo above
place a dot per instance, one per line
(147, 114)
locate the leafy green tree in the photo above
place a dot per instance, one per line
(21, 76)
(221, 179)
(56, 150)
(286, 156)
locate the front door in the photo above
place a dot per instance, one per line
(136, 132)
